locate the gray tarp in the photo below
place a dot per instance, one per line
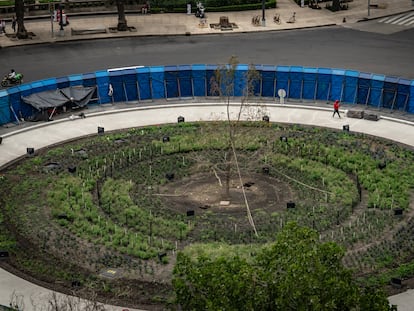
(76, 96)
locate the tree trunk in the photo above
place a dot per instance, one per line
(122, 23)
(336, 5)
(19, 9)
(228, 175)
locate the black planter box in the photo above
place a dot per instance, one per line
(371, 117)
(396, 282)
(290, 204)
(4, 254)
(356, 114)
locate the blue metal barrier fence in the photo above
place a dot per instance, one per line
(138, 83)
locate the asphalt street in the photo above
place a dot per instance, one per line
(333, 47)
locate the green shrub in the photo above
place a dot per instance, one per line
(180, 6)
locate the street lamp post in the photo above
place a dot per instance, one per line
(51, 17)
(61, 31)
(263, 13)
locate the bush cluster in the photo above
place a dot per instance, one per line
(180, 6)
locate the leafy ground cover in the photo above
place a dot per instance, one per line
(130, 200)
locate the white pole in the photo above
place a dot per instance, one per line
(369, 5)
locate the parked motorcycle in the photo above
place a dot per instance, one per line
(18, 79)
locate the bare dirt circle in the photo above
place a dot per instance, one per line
(202, 192)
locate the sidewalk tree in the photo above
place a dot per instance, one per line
(122, 22)
(19, 9)
(336, 5)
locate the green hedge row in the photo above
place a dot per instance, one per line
(241, 7)
(244, 7)
(180, 6)
(7, 3)
(206, 3)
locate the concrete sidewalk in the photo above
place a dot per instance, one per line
(183, 24)
(112, 117)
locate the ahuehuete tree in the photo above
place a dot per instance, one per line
(122, 22)
(223, 84)
(296, 272)
(19, 9)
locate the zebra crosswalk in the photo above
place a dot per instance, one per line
(387, 25)
(404, 19)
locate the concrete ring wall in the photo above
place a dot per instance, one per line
(139, 84)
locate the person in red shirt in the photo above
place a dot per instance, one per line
(336, 109)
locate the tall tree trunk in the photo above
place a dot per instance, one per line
(122, 23)
(336, 5)
(19, 9)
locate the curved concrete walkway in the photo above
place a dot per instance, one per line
(44, 134)
(41, 135)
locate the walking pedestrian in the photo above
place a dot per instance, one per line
(14, 23)
(3, 25)
(336, 109)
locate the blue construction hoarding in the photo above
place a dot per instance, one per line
(137, 84)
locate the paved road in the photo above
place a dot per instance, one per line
(336, 47)
(160, 40)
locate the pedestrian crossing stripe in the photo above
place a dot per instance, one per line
(405, 19)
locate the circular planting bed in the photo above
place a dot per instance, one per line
(107, 214)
